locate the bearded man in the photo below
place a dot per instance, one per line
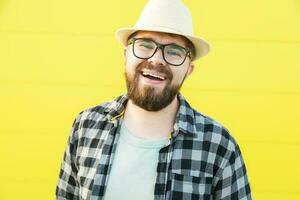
(150, 143)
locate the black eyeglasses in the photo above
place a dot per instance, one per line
(173, 54)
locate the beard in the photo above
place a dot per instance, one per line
(147, 97)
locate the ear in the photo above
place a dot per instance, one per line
(125, 52)
(190, 69)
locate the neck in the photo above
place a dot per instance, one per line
(150, 125)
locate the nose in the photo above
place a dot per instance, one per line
(157, 58)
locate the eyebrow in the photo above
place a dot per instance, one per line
(172, 43)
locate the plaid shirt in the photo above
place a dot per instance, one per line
(201, 161)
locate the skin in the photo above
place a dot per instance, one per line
(147, 124)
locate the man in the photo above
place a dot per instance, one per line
(149, 143)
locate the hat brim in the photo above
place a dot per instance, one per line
(202, 47)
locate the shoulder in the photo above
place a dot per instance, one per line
(92, 114)
(208, 129)
(205, 131)
(101, 112)
(92, 122)
(217, 145)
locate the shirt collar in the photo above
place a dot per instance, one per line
(185, 118)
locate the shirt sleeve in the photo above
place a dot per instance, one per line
(68, 186)
(233, 182)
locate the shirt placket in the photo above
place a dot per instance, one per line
(164, 161)
(105, 164)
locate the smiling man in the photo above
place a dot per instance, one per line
(149, 143)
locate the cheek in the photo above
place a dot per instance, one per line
(178, 75)
(131, 66)
(131, 62)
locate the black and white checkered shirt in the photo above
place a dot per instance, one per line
(201, 161)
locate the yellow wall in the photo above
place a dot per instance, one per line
(58, 57)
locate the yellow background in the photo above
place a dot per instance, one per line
(58, 57)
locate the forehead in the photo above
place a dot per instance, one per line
(163, 38)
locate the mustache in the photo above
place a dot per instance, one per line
(162, 69)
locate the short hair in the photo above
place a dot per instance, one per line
(191, 46)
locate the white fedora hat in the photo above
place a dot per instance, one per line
(167, 16)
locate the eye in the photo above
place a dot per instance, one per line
(175, 51)
(145, 44)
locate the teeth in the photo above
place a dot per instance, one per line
(154, 75)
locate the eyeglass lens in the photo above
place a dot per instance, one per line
(173, 54)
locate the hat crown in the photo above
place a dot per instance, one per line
(166, 16)
(171, 15)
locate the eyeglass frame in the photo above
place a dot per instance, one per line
(161, 47)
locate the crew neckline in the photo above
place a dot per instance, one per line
(134, 140)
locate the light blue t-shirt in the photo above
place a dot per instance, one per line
(133, 172)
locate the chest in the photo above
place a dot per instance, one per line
(179, 172)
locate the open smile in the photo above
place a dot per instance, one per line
(152, 78)
(153, 75)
